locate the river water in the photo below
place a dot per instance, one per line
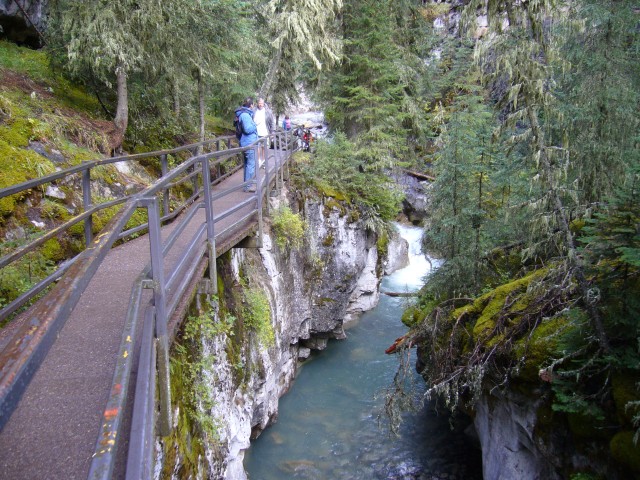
(331, 423)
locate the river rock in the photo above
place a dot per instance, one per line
(50, 153)
(416, 200)
(398, 253)
(54, 192)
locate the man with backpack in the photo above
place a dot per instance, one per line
(247, 134)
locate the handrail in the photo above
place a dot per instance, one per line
(142, 429)
(19, 361)
(90, 209)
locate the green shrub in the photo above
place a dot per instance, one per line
(257, 315)
(338, 171)
(288, 228)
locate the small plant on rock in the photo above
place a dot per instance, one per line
(288, 228)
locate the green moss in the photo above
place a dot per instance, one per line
(625, 391)
(494, 303)
(16, 166)
(24, 60)
(587, 427)
(18, 132)
(53, 210)
(328, 240)
(382, 244)
(217, 125)
(540, 345)
(413, 315)
(353, 215)
(577, 225)
(52, 250)
(585, 476)
(470, 309)
(35, 65)
(330, 192)
(183, 440)
(333, 204)
(625, 451)
(322, 301)
(102, 217)
(257, 315)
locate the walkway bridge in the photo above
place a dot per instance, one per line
(84, 370)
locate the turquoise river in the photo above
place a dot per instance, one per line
(331, 424)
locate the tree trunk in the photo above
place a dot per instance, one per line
(176, 100)
(122, 110)
(572, 255)
(274, 65)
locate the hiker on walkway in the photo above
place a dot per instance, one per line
(264, 121)
(244, 114)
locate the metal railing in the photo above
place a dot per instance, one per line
(20, 359)
(89, 209)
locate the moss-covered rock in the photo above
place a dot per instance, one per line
(52, 250)
(536, 348)
(587, 427)
(492, 304)
(626, 451)
(18, 165)
(625, 390)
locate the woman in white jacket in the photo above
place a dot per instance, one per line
(264, 121)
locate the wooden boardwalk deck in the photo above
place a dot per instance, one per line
(53, 431)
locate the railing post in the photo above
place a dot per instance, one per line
(263, 143)
(281, 158)
(159, 301)
(211, 237)
(86, 204)
(259, 204)
(164, 166)
(196, 187)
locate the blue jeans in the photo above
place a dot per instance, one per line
(249, 164)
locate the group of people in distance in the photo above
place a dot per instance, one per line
(255, 123)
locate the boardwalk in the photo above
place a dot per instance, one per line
(52, 433)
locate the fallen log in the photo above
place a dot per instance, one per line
(401, 294)
(422, 176)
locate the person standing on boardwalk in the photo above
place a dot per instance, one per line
(244, 114)
(264, 121)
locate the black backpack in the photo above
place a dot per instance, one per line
(237, 124)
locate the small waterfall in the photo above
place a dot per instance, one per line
(412, 277)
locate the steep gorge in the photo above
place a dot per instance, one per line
(311, 292)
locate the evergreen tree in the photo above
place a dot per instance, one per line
(300, 30)
(367, 91)
(163, 47)
(108, 38)
(598, 93)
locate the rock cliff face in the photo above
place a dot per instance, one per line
(312, 292)
(510, 446)
(18, 28)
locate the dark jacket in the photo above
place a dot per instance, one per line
(249, 135)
